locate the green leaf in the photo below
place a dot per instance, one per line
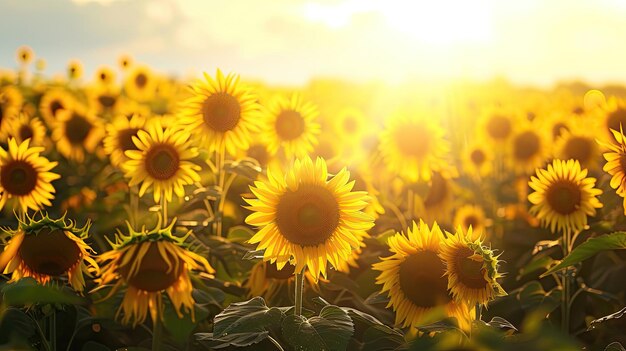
(617, 315)
(239, 234)
(15, 322)
(27, 291)
(532, 296)
(614, 346)
(331, 330)
(251, 316)
(383, 338)
(253, 255)
(544, 245)
(440, 326)
(538, 263)
(181, 328)
(237, 339)
(501, 323)
(589, 248)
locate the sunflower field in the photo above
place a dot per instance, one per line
(146, 212)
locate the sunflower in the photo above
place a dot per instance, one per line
(564, 196)
(291, 124)
(25, 55)
(579, 144)
(53, 102)
(140, 84)
(351, 125)
(616, 163)
(414, 147)
(614, 116)
(222, 112)
(149, 263)
(25, 127)
(436, 203)
(25, 176)
(104, 99)
(258, 150)
(74, 69)
(528, 149)
(119, 136)
(46, 249)
(471, 216)
(77, 132)
(497, 125)
(471, 268)
(125, 61)
(308, 217)
(105, 76)
(267, 280)
(413, 277)
(161, 161)
(477, 160)
(10, 105)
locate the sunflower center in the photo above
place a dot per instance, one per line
(155, 272)
(1, 112)
(307, 216)
(55, 105)
(499, 127)
(125, 139)
(221, 112)
(18, 177)
(616, 119)
(438, 191)
(271, 271)
(564, 197)
(478, 157)
(77, 129)
(49, 252)
(470, 272)
(526, 145)
(622, 162)
(141, 80)
(422, 279)
(289, 125)
(103, 77)
(558, 129)
(578, 110)
(579, 148)
(471, 221)
(162, 161)
(413, 140)
(25, 132)
(107, 101)
(350, 124)
(259, 153)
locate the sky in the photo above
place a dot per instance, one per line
(291, 41)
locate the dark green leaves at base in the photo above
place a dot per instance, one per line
(331, 330)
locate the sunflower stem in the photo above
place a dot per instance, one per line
(53, 330)
(157, 334)
(299, 291)
(275, 343)
(164, 208)
(565, 305)
(134, 206)
(479, 311)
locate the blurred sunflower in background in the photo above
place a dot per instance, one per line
(351, 124)
(25, 127)
(528, 149)
(616, 162)
(25, 177)
(10, 105)
(305, 217)
(563, 196)
(579, 144)
(497, 125)
(25, 55)
(477, 160)
(161, 161)
(291, 125)
(148, 264)
(140, 83)
(104, 100)
(46, 249)
(54, 101)
(104, 76)
(414, 277)
(470, 216)
(222, 112)
(125, 61)
(614, 116)
(74, 69)
(471, 268)
(414, 147)
(77, 132)
(119, 136)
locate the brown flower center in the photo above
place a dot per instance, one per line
(422, 279)
(558, 129)
(499, 127)
(49, 252)
(271, 271)
(579, 148)
(350, 124)
(478, 157)
(471, 221)
(154, 274)
(103, 77)
(141, 80)
(289, 125)
(617, 118)
(259, 153)
(107, 101)
(438, 191)
(162, 161)
(526, 145)
(77, 129)
(221, 112)
(307, 216)
(18, 177)
(470, 272)
(25, 132)
(413, 140)
(125, 139)
(564, 197)
(56, 105)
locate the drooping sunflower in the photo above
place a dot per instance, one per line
(47, 249)
(119, 136)
(413, 277)
(579, 144)
(25, 176)
(528, 149)
(77, 132)
(53, 102)
(564, 196)
(222, 112)
(140, 84)
(477, 160)
(10, 105)
(291, 125)
(307, 217)
(414, 147)
(470, 216)
(616, 163)
(161, 162)
(25, 127)
(148, 264)
(471, 268)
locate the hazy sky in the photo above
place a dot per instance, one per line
(289, 41)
